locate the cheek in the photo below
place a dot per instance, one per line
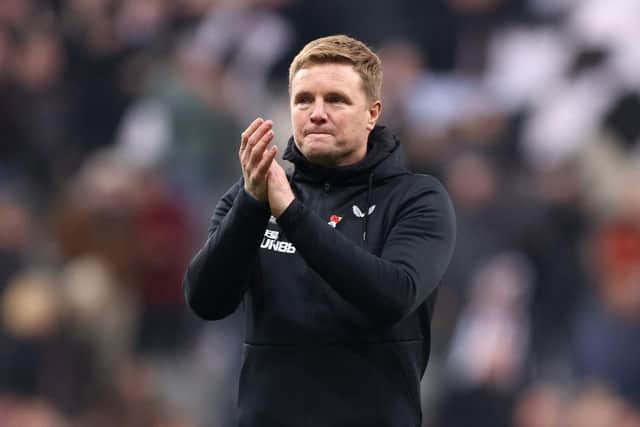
(297, 121)
(352, 126)
(299, 116)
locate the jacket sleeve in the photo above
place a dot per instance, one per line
(414, 258)
(217, 277)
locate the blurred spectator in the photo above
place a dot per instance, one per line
(182, 125)
(490, 218)
(95, 215)
(96, 54)
(49, 148)
(30, 316)
(244, 39)
(16, 235)
(11, 157)
(607, 336)
(490, 345)
(491, 341)
(554, 241)
(163, 243)
(97, 311)
(403, 65)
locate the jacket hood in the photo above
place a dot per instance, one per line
(382, 159)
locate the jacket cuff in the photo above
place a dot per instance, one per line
(291, 215)
(247, 204)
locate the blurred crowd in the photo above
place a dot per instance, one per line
(119, 126)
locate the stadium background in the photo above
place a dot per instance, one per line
(119, 125)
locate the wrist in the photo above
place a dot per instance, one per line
(254, 194)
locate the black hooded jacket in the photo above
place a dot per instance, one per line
(338, 292)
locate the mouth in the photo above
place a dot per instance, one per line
(317, 133)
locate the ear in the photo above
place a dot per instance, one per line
(374, 114)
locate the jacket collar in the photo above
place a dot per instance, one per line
(382, 158)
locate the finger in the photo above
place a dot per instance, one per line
(259, 132)
(244, 137)
(266, 161)
(253, 139)
(258, 150)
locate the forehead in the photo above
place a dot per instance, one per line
(324, 77)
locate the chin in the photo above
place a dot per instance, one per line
(319, 157)
(318, 145)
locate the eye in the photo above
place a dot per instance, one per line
(334, 99)
(302, 99)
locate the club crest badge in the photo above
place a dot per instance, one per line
(358, 213)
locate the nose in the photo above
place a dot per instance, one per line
(318, 112)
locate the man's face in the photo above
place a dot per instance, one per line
(331, 116)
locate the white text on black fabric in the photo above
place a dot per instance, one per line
(270, 242)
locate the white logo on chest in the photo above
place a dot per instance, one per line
(270, 242)
(358, 213)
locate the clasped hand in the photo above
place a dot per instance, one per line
(264, 178)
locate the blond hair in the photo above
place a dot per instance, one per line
(342, 49)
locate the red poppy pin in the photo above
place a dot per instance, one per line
(334, 220)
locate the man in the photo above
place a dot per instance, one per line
(337, 266)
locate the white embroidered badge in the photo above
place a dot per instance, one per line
(358, 213)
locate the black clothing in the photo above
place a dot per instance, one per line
(338, 291)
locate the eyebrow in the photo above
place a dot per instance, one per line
(340, 95)
(301, 95)
(337, 94)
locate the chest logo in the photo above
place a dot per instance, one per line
(358, 213)
(271, 242)
(334, 220)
